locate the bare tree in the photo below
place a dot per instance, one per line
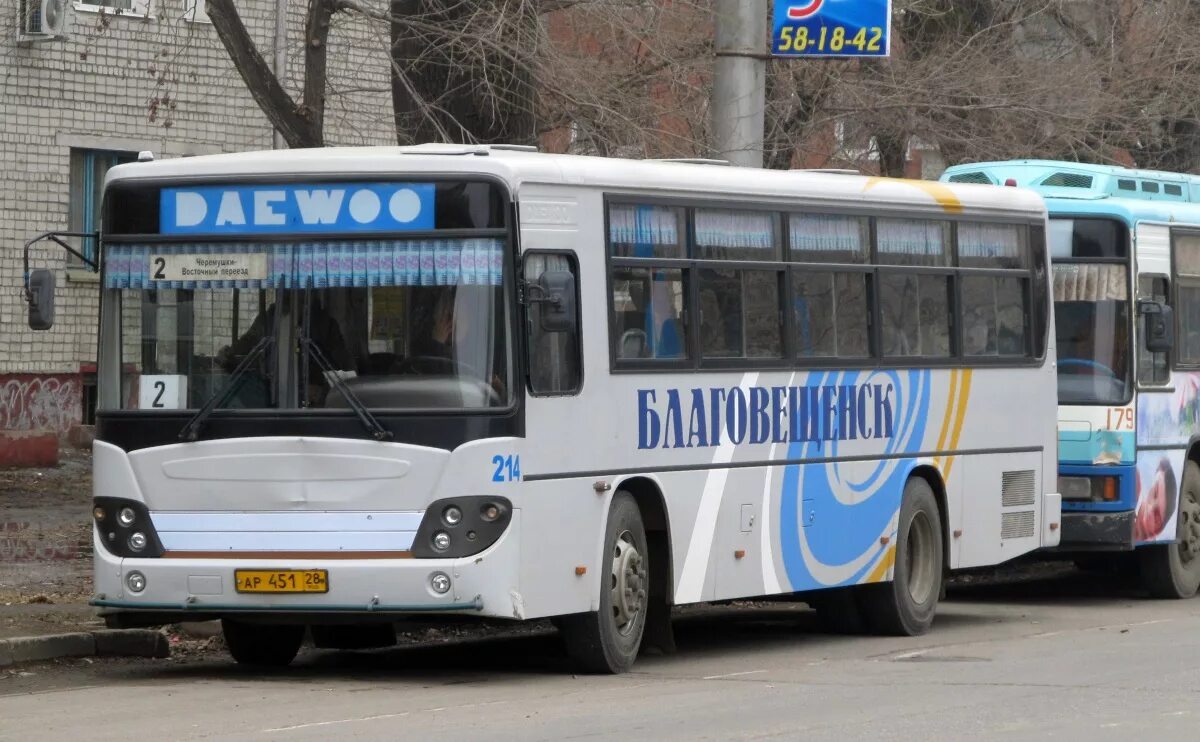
(300, 122)
(997, 79)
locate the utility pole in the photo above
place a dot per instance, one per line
(740, 81)
(280, 65)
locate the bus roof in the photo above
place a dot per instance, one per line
(1082, 189)
(518, 167)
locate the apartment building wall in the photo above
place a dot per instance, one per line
(156, 79)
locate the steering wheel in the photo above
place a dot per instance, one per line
(1086, 364)
(434, 366)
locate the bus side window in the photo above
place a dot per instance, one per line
(1152, 368)
(555, 365)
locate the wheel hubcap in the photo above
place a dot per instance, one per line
(920, 559)
(628, 583)
(1189, 526)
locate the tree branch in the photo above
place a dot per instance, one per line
(316, 64)
(264, 86)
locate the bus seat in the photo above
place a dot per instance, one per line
(633, 344)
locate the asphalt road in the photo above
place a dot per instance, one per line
(1068, 658)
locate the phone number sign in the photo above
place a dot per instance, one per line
(832, 28)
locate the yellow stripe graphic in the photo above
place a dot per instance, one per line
(942, 193)
(960, 417)
(881, 569)
(941, 441)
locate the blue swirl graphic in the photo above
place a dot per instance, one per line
(842, 533)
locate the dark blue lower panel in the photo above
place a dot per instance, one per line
(1097, 531)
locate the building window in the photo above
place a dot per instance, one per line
(88, 167)
(123, 7)
(194, 11)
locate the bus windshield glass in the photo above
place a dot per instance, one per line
(1092, 310)
(407, 323)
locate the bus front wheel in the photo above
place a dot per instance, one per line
(906, 605)
(262, 645)
(1172, 571)
(608, 640)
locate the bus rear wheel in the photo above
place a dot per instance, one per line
(1172, 571)
(608, 640)
(906, 605)
(262, 645)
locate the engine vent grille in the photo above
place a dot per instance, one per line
(976, 177)
(1017, 488)
(1068, 180)
(1020, 524)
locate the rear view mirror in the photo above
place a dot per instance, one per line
(557, 300)
(39, 292)
(1159, 326)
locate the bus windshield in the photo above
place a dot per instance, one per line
(407, 324)
(1091, 310)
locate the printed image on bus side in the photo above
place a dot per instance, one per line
(1125, 247)
(338, 388)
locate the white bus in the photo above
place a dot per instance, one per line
(343, 386)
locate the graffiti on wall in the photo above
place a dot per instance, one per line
(49, 403)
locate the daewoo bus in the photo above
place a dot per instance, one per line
(343, 386)
(1125, 246)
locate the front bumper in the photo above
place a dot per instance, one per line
(485, 584)
(1097, 531)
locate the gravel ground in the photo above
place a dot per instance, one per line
(45, 547)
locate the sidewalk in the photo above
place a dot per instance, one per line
(45, 569)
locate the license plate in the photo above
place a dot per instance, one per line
(281, 580)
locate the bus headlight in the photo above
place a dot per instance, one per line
(461, 526)
(125, 528)
(1075, 488)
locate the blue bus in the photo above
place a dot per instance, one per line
(1125, 249)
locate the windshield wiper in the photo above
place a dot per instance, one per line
(310, 349)
(192, 429)
(373, 426)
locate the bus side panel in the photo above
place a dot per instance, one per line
(1003, 514)
(1164, 418)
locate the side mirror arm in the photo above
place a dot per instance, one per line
(57, 238)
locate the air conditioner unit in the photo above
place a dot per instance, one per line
(43, 20)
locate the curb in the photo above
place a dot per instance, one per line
(105, 643)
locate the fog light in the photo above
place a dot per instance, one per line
(98, 513)
(441, 541)
(440, 582)
(126, 517)
(135, 581)
(490, 512)
(452, 515)
(137, 541)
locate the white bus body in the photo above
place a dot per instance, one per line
(755, 471)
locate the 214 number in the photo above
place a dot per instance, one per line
(508, 468)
